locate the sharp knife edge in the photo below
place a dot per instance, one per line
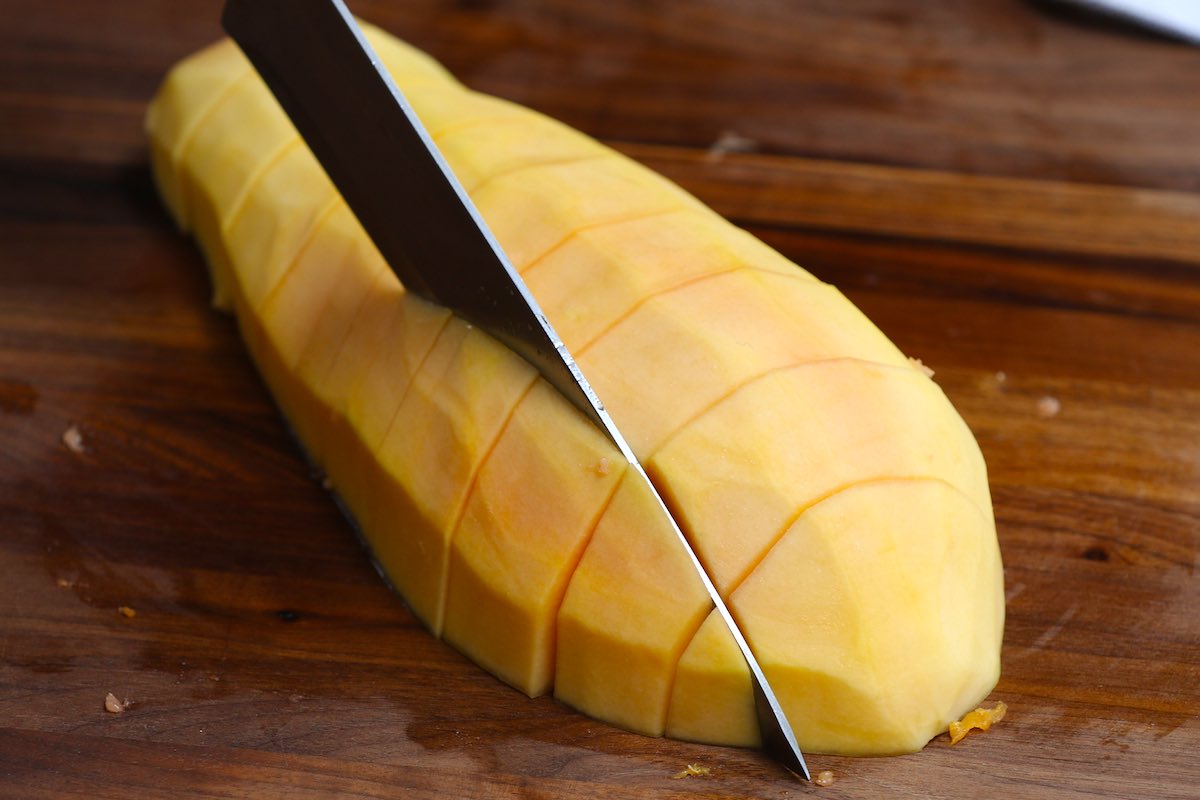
(1176, 18)
(333, 86)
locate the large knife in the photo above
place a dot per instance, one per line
(329, 80)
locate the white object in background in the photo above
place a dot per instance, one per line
(1179, 18)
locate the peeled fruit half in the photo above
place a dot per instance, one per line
(834, 495)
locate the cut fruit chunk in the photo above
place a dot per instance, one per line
(172, 120)
(736, 494)
(601, 274)
(390, 339)
(537, 209)
(875, 617)
(430, 456)
(406, 64)
(275, 221)
(712, 697)
(751, 324)
(633, 604)
(443, 110)
(481, 152)
(520, 537)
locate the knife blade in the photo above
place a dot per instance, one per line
(330, 82)
(1176, 18)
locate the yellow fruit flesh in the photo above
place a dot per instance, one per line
(451, 415)
(633, 604)
(191, 92)
(789, 435)
(293, 311)
(278, 215)
(519, 538)
(737, 495)
(654, 255)
(485, 150)
(981, 719)
(538, 208)
(746, 333)
(874, 618)
(708, 698)
(390, 352)
(849, 564)
(230, 168)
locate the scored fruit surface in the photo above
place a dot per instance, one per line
(834, 495)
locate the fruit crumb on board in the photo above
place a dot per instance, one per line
(72, 437)
(824, 778)
(127, 612)
(981, 718)
(114, 706)
(1048, 407)
(693, 771)
(729, 142)
(920, 366)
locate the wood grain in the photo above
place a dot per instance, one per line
(1011, 193)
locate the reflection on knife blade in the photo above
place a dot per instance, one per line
(331, 84)
(1177, 18)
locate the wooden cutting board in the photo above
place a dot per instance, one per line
(1012, 193)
